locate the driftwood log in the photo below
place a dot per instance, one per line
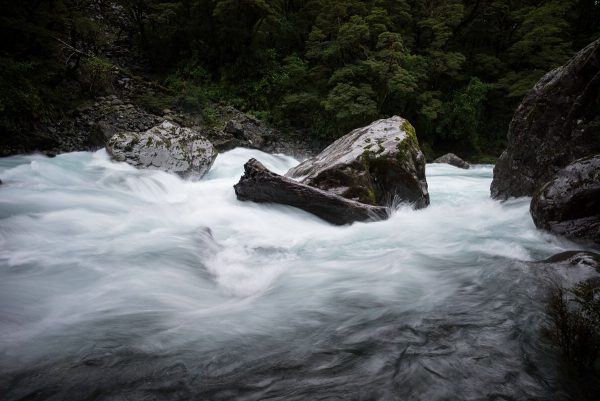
(258, 184)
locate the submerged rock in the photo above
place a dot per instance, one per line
(258, 184)
(557, 122)
(569, 204)
(453, 160)
(166, 147)
(380, 164)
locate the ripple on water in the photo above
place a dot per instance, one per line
(117, 283)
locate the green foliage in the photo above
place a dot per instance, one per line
(95, 74)
(461, 116)
(455, 68)
(19, 97)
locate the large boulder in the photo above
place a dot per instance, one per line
(557, 122)
(166, 147)
(380, 164)
(258, 184)
(569, 204)
(453, 160)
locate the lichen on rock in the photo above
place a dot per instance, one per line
(380, 164)
(166, 147)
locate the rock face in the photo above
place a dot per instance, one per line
(453, 160)
(166, 147)
(569, 204)
(557, 122)
(243, 130)
(380, 164)
(258, 184)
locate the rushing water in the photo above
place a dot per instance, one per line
(125, 284)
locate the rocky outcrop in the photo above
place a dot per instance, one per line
(166, 147)
(557, 122)
(569, 204)
(380, 164)
(453, 160)
(238, 129)
(258, 184)
(569, 268)
(572, 284)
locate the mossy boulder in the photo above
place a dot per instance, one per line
(166, 147)
(569, 204)
(380, 164)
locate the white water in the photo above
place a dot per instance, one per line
(103, 265)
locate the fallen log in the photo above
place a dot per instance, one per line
(258, 184)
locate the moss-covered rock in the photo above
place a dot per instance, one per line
(380, 164)
(166, 147)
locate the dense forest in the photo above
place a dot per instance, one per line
(456, 69)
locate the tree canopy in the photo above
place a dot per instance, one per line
(455, 68)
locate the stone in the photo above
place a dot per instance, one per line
(99, 134)
(380, 164)
(166, 147)
(234, 128)
(557, 123)
(453, 160)
(569, 204)
(258, 184)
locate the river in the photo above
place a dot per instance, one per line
(125, 284)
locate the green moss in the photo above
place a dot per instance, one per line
(149, 142)
(410, 142)
(410, 131)
(372, 196)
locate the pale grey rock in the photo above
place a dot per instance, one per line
(166, 147)
(380, 164)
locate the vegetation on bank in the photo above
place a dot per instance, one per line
(455, 68)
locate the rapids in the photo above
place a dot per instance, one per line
(125, 284)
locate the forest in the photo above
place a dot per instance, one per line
(456, 69)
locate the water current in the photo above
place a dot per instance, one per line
(125, 284)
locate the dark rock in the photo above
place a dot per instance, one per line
(569, 268)
(591, 259)
(569, 205)
(380, 164)
(572, 310)
(557, 122)
(166, 147)
(234, 128)
(99, 134)
(258, 184)
(453, 160)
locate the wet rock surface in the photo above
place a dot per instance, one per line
(453, 160)
(557, 122)
(258, 184)
(166, 147)
(380, 164)
(569, 204)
